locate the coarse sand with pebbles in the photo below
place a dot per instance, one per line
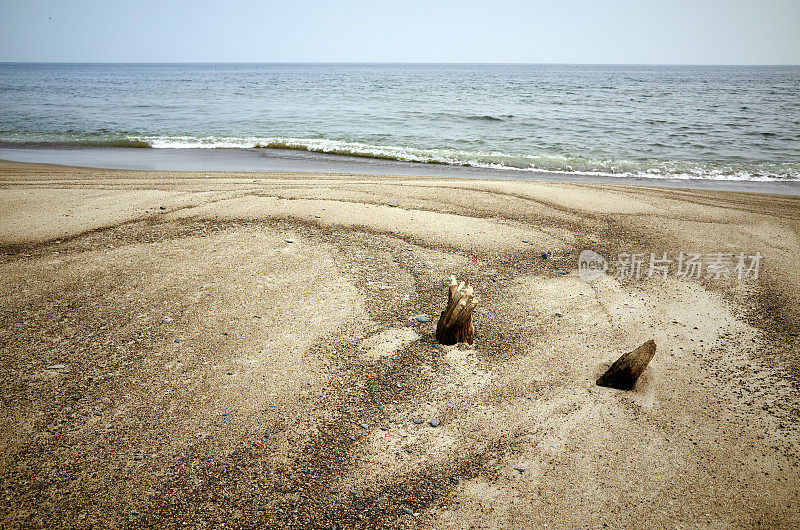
(243, 350)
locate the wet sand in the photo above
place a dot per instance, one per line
(241, 348)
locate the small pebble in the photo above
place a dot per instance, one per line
(559, 272)
(544, 255)
(559, 315)
(230, 373)
(177, 340)
(521, 470)
(363, 425)
(434, 422)
(289, 240)
(393, 205)
(407, 510)
(417, 421)
(352, 438)
(422, 318)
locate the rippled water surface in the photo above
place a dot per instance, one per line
(660, 121)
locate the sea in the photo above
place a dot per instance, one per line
(730, 123)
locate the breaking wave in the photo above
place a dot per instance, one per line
(534, 162)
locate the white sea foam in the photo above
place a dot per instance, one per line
(553, 163)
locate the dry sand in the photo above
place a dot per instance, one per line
(224, 337)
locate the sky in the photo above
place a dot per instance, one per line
(516, 31)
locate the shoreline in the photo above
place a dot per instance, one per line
(242, 348)
(310, 162)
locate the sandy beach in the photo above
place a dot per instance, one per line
(209, 348)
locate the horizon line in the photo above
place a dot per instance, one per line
(542, 63)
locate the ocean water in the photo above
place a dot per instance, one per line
(684, 122)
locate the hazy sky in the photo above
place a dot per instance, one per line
(563, 31)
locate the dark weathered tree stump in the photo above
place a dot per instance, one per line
(627, 369)
(455, 323)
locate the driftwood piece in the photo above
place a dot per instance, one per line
(455, 323)
(627, 369)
